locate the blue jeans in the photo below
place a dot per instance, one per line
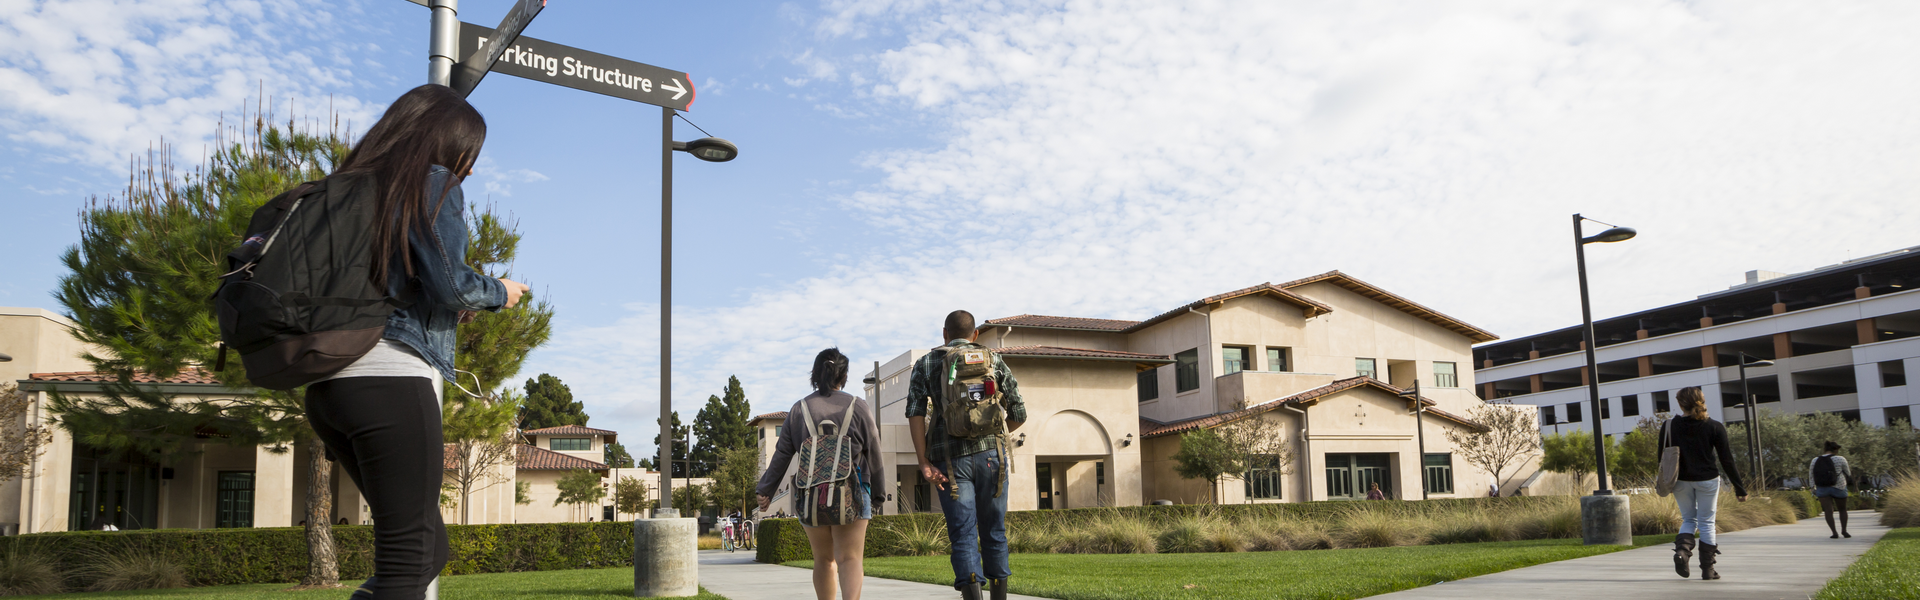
(1698, 503)
(977, 522)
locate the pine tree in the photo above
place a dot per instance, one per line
(137, 287)
(550, 404)
(617, 457)
(721, 426)
(679, 467)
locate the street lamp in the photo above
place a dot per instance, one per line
(1604, 517)
(710, 149)
(1748, 402)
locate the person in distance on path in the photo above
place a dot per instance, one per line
(1703, 445)
(380, 417)
(973, 401)
(1830, 473)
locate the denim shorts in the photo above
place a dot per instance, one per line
(1828, 491)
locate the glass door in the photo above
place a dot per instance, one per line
(1350, 476)
(233, 501)
(1043, 473)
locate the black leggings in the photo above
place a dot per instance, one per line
(385, 433)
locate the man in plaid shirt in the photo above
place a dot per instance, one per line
(976, 507)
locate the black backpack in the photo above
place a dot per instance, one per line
(298, 304)
(1824, 474)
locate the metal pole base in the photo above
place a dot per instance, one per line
(1606, 520)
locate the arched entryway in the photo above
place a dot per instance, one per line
(1073, 462)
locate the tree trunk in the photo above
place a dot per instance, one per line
(323, 568)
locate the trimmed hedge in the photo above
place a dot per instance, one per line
(279, 555)
(782, 540)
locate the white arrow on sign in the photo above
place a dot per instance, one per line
(676, 89)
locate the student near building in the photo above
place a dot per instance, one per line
(1704, 459)
(974, 401)
(837, 440)
(1829, 473)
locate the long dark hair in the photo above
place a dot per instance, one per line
(829, 371)
(429, 125)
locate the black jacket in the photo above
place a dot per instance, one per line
(1701, 442)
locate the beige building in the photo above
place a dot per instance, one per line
(215, 484)
(1327, 357)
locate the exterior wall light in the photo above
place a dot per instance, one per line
(1126, 441)
(1021, 440)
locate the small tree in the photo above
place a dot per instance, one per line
(1635, 460)
(580, 487)
(734, 481)
(1572, 453)
(1260, 443)
(1508, 438)
(690, 499)
(523, 492)
(630, 496)
(1204, 454)
(482, 438)
(20, 443)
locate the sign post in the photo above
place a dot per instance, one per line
(474, 67)
(544, 61)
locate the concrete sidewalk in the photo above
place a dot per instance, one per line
(1778, 561)
(737, 577)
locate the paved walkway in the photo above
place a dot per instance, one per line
(737, 577)
(1777, 561)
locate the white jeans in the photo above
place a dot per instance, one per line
(1698, 502)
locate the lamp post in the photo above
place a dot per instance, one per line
(709, 149)
(1748, 402)
(1604, 517)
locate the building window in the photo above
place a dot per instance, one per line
(1630, 405)
(1438, 469)
(1100, 473)
(1547, 417)
(570, 444)
(1364, 368)
(1606, 408)
(233, 499)
(1350, 476)
(1264, 479)
(1893, 373)
(1235, 359)
(1661, 404)
(1186, 371)
(1277, 360)
(1444, 376)
(1573, 412)
(1149, 383)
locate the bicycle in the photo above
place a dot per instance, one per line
(726, 536)
(745, 532)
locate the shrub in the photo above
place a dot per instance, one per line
(279, 555)
(1361, 528)
(1654, 515)
(1192, 533)
(1117, 535)
(1805, 506)
(131, 569)
(708, 542)
(27, 573)
(910, 537)
(1901, 506)
(1039, 539)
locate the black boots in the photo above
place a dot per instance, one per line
(998, 590)
(1683, 553)
(970, 591)
(1708, 554)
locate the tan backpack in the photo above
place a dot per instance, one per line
(970, 395)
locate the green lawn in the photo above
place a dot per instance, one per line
(556, 585)
(1252, 575)
(1891, 570)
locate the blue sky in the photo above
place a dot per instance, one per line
(1100, 158)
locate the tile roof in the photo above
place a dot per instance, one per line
(535, 458)
(569, 430)
(772, 416)
(1150, 428)
(1081, 353)
(1046, 322)
(194, 375)
(1376, 294)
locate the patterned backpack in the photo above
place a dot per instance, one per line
(824, 486)
(970, 401)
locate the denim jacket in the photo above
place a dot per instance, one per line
(447, 284)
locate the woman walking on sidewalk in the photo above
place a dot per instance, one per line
(1704, 459)
(1829, 473)
(836, 510)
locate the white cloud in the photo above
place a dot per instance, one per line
(499, 182)
(1113, 158)
(100, 79)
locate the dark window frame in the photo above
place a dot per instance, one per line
(1227, 366)
(1450, 379)
(1438, 478)
(1372, 370)
(1630, 405)
(1266, 482)
(1285, 355)
(1186, 371)
(554, 444)
(1573, 412)
(1149, 383)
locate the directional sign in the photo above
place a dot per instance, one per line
(582, 70)
(474, 67)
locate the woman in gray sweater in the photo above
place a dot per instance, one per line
(837, 549)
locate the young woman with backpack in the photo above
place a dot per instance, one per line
(1830, 474)
(1704, 459)
(380, 416)
(837, 439)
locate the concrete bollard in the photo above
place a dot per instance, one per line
(666, 558)
(1606, 520)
